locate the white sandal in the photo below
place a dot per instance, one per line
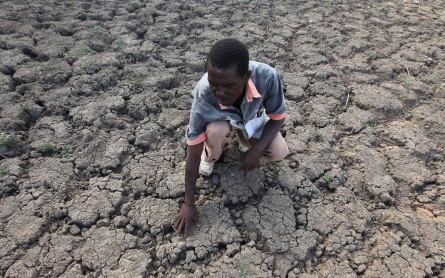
(205, 168)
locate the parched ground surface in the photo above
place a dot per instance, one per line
(95, 98)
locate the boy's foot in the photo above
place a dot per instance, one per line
(243, 148)
(205, 168)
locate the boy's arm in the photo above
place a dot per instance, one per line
(250, 159)
(188, 212)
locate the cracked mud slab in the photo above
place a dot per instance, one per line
(95, 102)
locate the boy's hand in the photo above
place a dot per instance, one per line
(186, 216)
(250, 159)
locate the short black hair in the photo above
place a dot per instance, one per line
(227, 53)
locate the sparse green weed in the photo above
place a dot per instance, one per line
(64, 155)
(45, 148)
(120, 44)
(149, 11)
(368, 124)
(406, 79)
(95, 30)
(3, 172)
(83, 67)
(369, 14)
(87, 65)
(327, 176)
(79, 53)
(395, 212)
(23, 111)
(47, 65)
(244, 272)
(7, 142)
(136, 78)
(437, 83)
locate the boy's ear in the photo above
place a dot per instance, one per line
(248, 74)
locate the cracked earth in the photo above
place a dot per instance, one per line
(95, 99)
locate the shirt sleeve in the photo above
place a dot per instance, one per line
(274, 102)
(196, 129)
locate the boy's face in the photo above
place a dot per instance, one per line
(227, 86)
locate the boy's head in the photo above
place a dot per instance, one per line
(228, 70)
(227, 53)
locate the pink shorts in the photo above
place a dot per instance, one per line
(219, 134)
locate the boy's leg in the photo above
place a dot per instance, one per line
(275, 151)
(218, 135)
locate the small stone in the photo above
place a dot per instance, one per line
(254, 236)
(190, 256)
(103, 222)
(423, 199)
(74, 230)
(232, 249)
(129, 228)
(361, 268)
(120, 221)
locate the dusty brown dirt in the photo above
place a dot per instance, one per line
(95, 98)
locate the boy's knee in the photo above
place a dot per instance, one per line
(279, 153)
(218, 127)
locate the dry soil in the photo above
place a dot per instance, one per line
(95, 99)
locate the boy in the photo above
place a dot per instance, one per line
(238, 94)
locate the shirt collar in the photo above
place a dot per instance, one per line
(251, 93)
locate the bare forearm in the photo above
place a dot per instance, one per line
(191, 175)
(191, 172)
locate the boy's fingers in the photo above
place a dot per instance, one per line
(175, 226)
(179, 228)
(187, 228)
(242, 157)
